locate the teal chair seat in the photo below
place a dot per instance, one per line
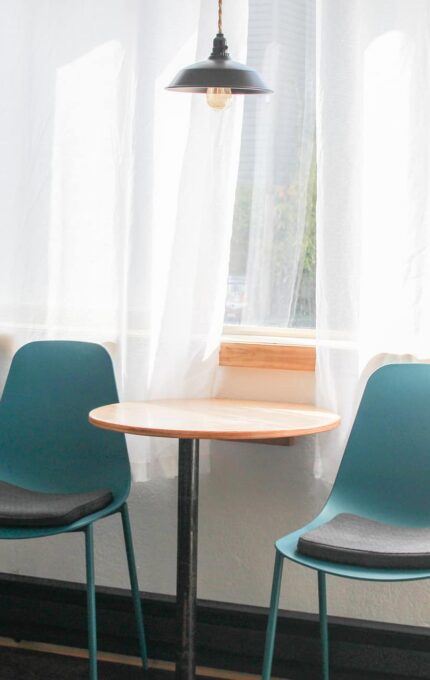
(287, 546)
(384, 476)
(49, 450)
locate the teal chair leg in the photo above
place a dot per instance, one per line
(322, 597)
(134, 585)
(91, 602)
(273, 617)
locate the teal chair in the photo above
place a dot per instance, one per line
(58, 473)
(384, 478)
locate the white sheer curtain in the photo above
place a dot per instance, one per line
(116, 197)
(275, 192)
(373, 219)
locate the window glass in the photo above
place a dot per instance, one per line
(272, 262)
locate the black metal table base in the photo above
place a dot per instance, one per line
(186, 578)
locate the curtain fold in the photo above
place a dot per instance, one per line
(116, 197)
(373, 216)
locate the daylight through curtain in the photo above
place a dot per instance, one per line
(116, 197)
(272, 268)
(373, 219)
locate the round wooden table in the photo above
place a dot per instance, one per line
(190, 420)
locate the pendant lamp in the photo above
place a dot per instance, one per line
(219, 77)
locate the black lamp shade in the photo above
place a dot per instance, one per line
(219, 72)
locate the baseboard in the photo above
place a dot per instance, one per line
(229, 636)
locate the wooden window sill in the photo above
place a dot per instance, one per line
(288, 357)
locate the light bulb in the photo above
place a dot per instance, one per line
(218, 98)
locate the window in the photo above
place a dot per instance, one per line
(272, 264)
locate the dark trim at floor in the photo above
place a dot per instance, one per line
(20, 664)
(229, 636)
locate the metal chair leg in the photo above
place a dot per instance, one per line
(273, 616)
(322, 597)
(91, 602)
(134, 585)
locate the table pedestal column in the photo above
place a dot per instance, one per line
(186, 580)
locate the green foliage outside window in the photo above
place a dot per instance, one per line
(281, 280)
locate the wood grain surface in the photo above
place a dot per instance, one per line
(214, 419)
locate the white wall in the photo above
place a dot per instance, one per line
(252, 495)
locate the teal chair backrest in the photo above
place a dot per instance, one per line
(46, 442)
(385, 471)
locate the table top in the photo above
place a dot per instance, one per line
(214, 419)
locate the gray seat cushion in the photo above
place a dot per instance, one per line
(365, 543)
(24, 508)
